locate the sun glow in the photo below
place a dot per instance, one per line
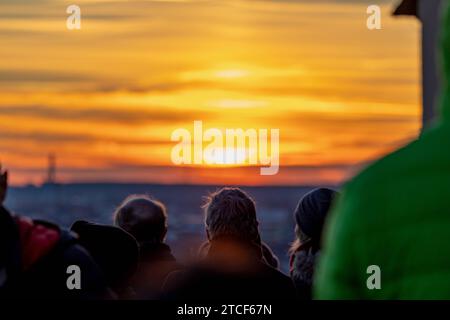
(231, 74)
(227, 156)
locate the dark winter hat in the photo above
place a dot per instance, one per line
(312, 210)
(113, 249)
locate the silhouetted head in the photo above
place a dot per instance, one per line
(144, 218)
(311, 212)
(230, 212)
(113, 249)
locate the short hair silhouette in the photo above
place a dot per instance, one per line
(230, 212)
(143, 217)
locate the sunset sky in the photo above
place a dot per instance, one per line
(105, 99)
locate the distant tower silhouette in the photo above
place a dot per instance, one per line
(51, 173)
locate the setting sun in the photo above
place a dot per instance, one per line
(231, 74)
(105, 99)
(227, 156)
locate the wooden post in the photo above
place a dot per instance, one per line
(430, 14)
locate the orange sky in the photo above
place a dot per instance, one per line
(105, 99)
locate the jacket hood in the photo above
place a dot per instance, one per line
(114, 250)
(445, 31)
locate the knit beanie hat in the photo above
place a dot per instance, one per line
(312, 210)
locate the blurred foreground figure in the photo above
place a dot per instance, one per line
(309, 216)
(394, 220)
(35, 257)
(234, 267)
(146, 220)
(268, 255)
(114, 250)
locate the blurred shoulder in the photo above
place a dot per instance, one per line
(417, 158)
(433, 146)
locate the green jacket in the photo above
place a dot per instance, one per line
(395, 215)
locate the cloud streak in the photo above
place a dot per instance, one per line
(105, 115)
